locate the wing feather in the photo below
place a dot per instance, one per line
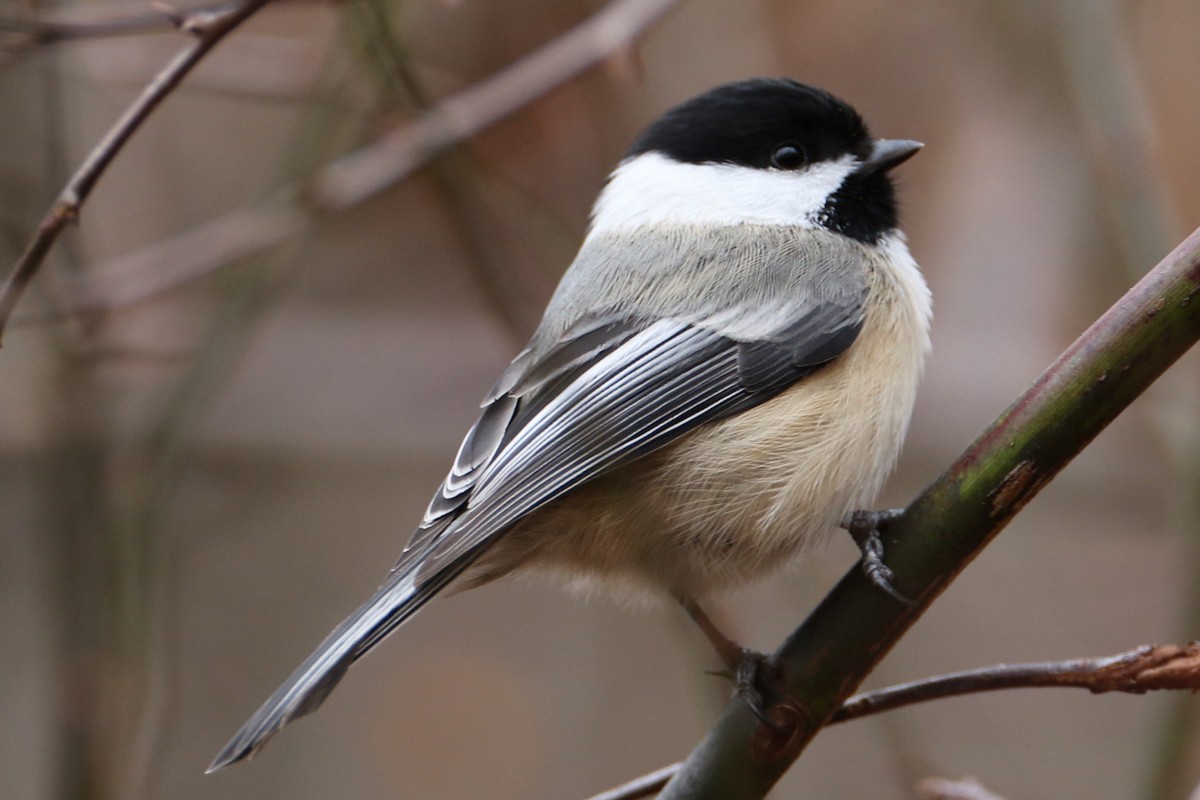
(658, 384)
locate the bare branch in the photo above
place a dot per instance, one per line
(396, 156)
(148, 272)
(1148, 668)
(24, 34)
(337, 186)
(209, 28)
(640, 787)
(18, 36)
(1143, 669)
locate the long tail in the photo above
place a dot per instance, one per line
(396, 600)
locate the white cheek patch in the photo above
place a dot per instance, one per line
(652, 189)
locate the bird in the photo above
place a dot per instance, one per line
(725, 372)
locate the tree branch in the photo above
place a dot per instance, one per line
(1144, 669)
(949, 524)
(146, 273)
(398, 154)
(641, 787)
(24, 34)
(350, 180)
(209, 28)
(1148, 668)
(21, 34)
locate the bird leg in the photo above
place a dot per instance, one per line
(730, 652)
(864, 528)
(744, 666)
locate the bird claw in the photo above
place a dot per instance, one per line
(864, 527)
(751, 669)
(745, 668)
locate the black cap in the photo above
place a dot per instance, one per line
(781, 124)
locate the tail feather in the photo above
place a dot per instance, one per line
(395, 601)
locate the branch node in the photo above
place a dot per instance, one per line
(1159, 667)
(210, 27)
(200, 23)
(171, 13)
(772, 742)
(66, 208)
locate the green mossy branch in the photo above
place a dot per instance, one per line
(856, 625)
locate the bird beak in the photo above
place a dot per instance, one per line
(887, 153)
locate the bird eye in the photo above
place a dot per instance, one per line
(788, 156)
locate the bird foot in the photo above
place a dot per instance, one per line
(864, 527)
(748, 675)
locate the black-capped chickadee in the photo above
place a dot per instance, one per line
(725, 371)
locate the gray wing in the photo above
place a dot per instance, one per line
(609, 391)
(653, 387)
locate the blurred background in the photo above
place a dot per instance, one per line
(225, 402)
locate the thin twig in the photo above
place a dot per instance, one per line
(454, 177)
(146, 273)
(336, 187)
(397, 155)
(209, 28)
(29, 33)
(640, 787)
(1143, 669)
(1147, 668)
(21, 36)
